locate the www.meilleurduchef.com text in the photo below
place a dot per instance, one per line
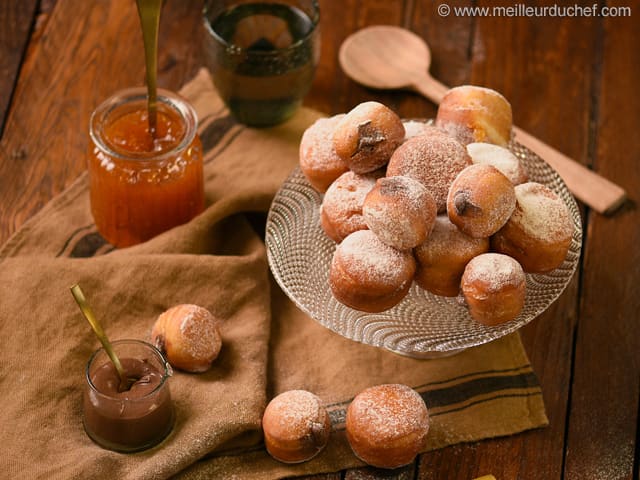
(524, 10)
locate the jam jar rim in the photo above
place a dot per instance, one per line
(168, 371)
(174, 101)
(236, 49)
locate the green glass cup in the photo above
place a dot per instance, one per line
(262, 55)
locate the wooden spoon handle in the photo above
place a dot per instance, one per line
(430, 88)
(590, 188)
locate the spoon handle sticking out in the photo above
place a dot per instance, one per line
(80, 299)
(430, 88)
(590, 188)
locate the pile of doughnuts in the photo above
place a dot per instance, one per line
(409, 201)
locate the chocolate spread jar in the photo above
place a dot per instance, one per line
(137, 418)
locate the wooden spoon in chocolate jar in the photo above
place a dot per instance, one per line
(389, 57)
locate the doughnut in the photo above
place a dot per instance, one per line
(539, 232)
(188, 336)
(413, 128)
(493, 287)
(441, 258)
(319, 161)
(475, 114)
(387, 425)
(367, 136)
(400, 211)
(296, 426)
(501, 158)
(368, 275)
(481, 200)
(434, 159)
(341, 209)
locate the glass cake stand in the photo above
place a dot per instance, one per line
(423, 325)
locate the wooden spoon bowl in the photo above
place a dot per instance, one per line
(385, 57)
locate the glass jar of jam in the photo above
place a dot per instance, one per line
(134, 419)
(143, 184)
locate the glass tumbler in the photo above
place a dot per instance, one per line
(134, 419)
(140, 184)
(262, 55)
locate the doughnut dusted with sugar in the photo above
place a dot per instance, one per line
(368, 275)
(434, 159)
(475, 114)
(341, 209)
(400, 211)
(319, 161)
(494, 288)
(481, 200)
(501, 158)
(189, 336)
(442, 257)
(367, 136)
(387, 425)
(296, 426)
(539, 232)
(414, 128)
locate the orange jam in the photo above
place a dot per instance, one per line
(129, 134)
(142, 185)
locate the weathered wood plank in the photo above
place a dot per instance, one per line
(332, 91)
(16, 18)
(602, 436)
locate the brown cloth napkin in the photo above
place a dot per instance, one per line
(217, 261)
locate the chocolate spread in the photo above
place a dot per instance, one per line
(131, 420)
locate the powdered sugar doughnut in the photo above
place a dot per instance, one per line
(367, 136)
(481, 200)
(189, 336)
(501, 158)
(539, 232)
(414, 128)
(296, 426)
(441, 258)
(493, 286)
(368, 275)
(475, 114)
(319, 161)
(434, 159)
(387, 425)
(400, 211)
(341, 209)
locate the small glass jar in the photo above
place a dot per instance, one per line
(262, 55)
(134, 419)
(142, 185)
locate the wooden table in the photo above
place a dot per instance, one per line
(573, 82)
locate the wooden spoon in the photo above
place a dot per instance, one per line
(388, 57)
